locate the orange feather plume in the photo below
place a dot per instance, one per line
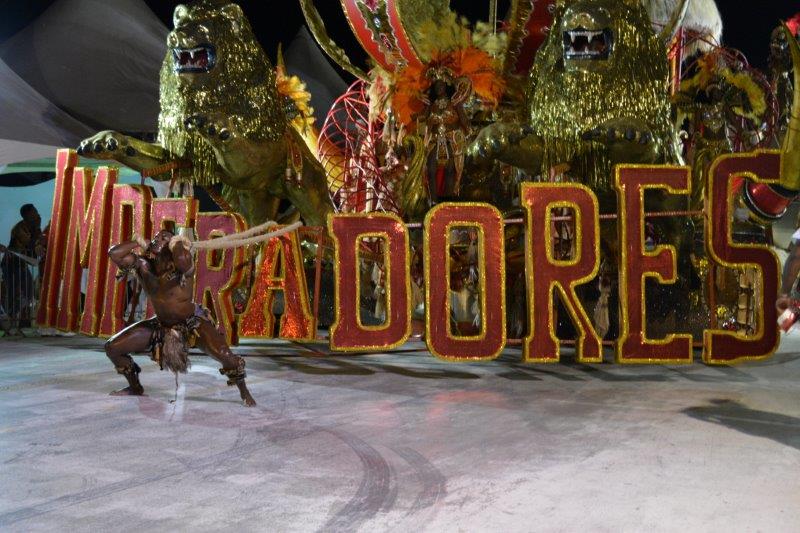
(413, 82)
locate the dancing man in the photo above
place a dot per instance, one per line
(165, 269)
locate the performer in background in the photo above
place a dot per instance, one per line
(18, 284)
(447, 127)
(165, 269)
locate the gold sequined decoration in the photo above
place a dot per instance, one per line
(412, 192)
(563, 104)
(417, 14)
(242, 87)
(317, 27)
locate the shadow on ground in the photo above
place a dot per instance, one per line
(734, 415)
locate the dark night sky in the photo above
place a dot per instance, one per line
(747, 24)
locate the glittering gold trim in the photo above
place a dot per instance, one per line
(88, 233)
(624, 326)
(708, 335)
(575, 314)
(317, 26)
(225, 315)
(265, 281)
(242, 87)
(185, 220)
(66, 160)
(384, 237)
(388, 269)
(564, 104)
(464, 223)
(402, 20)
(114, 323)
(520, 13)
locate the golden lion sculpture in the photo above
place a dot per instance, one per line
(221, 112)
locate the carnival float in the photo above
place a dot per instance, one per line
(458, 116)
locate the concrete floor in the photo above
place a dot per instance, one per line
(397, 442)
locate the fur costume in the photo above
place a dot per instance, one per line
(169, 345)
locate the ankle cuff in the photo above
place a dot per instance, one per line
(234, 375)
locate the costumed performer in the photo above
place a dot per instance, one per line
(165, 269)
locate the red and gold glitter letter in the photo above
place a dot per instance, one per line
(180, 211)
(56, 238)
(546, 274)
(348, 232)
(131, 214)
(488, 222)
(86, 247)
(218, 272)
(281, 269)
(637, 265)
(723, 347)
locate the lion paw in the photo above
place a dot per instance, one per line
(106, 145)
(493, 140)
(628, 140)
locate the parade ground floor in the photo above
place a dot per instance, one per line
(395, 442)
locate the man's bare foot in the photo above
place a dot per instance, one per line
(128, 391)
(245, 394)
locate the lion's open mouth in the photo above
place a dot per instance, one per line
(194, 60)
(581, 43)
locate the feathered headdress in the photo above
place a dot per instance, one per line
(710, 70)
(412, 83)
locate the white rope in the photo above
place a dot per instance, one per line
(239, 240)
(250, 232)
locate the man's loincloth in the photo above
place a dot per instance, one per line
(169, 345)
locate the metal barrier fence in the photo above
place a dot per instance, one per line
(20, 283)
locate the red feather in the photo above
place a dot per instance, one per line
(794, 24)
